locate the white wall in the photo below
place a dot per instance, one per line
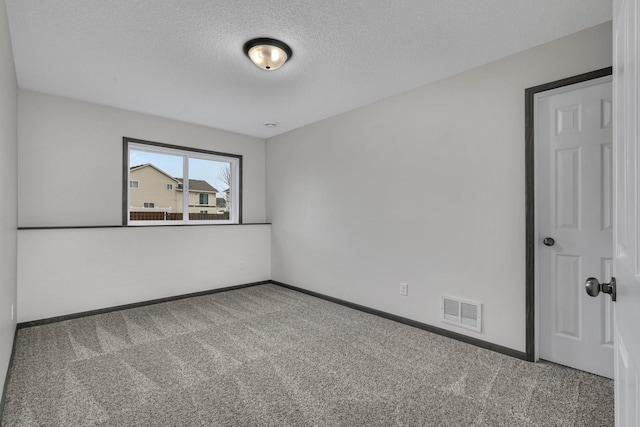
(70, 174)
(448, 160)
(74, 270)
(70, 159)
(8, 191)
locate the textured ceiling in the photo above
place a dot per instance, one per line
(183, 59)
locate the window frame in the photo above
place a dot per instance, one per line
(235, 161)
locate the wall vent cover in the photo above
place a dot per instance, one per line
(463, 313)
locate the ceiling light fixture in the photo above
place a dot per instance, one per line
(268, 54)
(271, 124)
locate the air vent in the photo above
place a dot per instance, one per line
(466, 314)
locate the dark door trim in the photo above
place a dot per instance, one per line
(529, 108)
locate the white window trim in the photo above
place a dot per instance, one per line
(233, 160)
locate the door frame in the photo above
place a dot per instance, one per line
(530, 211)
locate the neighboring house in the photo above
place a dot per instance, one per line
(152, 189)
(202, 196)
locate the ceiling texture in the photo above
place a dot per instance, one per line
(183, 59)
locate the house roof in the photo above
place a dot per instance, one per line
(220, 202)
(198, 185)
(138, 167)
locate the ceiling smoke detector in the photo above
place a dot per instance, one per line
(267, 54)
(271, 124)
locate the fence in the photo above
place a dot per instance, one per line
(175, 216)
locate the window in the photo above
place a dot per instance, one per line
(195, 178)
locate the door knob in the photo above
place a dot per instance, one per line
(548, 241)
(594, 287)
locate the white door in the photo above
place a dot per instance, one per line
(574, 158)
(626, 262)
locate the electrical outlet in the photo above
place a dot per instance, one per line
(404, 289)
(241, 265)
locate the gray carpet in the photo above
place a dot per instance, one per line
(269, 356)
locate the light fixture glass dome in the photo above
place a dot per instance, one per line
(268, 54)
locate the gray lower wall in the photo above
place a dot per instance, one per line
(71, 271)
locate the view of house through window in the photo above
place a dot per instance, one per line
(176, 185)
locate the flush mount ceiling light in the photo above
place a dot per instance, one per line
(268, 54)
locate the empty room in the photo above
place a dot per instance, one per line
(287, 213)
